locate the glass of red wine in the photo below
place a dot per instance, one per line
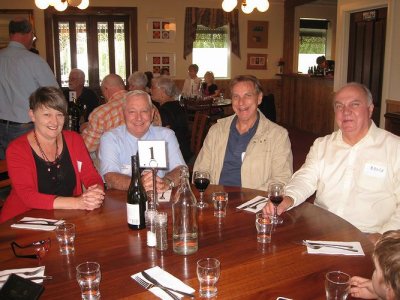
(201, 181)
(275, 194)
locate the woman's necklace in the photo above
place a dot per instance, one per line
(44, 156)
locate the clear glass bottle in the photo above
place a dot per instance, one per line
(136, 200)
(161, 221)
(184, 217)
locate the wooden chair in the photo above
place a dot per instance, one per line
(193, 106)
(5, 182)
(199, 131)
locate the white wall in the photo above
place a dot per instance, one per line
(176, 9)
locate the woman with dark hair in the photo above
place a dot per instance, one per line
(48, 166)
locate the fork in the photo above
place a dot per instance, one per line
(27, 273)
(148, 286)
(316, 247)
(254, 206)
(32, 278)
(254, 203)
(323, 244)
(38, 220)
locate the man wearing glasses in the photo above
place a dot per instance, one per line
(21, 73)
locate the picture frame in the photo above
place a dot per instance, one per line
(257, 61)
(156, 61)
(257, 34)
(6, 15)
(161, 30)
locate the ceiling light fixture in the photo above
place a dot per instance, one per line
(62, 5)
(247, 5)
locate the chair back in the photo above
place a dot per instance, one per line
(4, 179)
(199, 131)
(203, 105)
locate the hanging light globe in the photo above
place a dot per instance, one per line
(42, 4)
(74, 2)
(262, 5)
(61, 5)
(249, 7)
(229, 5)
(84, 4)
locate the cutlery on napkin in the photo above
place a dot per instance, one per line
(37, 224)
(254, 205)
(33, 273)
(165, 279)
(334, 248)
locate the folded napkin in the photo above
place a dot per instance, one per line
(37, 224)
(167, 280)
(247, 205)
(4, 274)
(336, 251)
(164, 197)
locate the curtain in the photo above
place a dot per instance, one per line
(212, 18)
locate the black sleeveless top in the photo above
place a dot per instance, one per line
(58, 177)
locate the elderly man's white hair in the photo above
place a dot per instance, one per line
(137, 93)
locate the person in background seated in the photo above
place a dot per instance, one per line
(149, 76)
(85, 97)
(192, 83)
(164, 71)
(208, 87)
(246, 149)
(138, 81)
(385, 282)
(119, 144)
(21, 73)
(48, 166)
(173, 115)
(354, 170)
(324, 64)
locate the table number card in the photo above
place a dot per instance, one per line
(152, 154)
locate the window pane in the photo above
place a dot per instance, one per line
(65, 52)
(81, 49)
(211, 50)
(102, 36)
(119, 45)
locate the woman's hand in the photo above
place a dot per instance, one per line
(147, 181)
(362, 288)
(93, 197)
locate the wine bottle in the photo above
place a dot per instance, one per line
(137, 199)
(74, 113)
(184, 217)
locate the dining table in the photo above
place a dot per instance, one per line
(249, 270)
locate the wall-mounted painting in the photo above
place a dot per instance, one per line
(6, 15)
(257, 61)
(161, 30)
(257, 34)
(156, 61)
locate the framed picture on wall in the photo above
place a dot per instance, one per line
(161, 30)
(156, 61)
(257, 34)
(6, 15)
(257, 61)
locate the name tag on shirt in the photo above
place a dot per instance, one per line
(375, 170)
(126, 170)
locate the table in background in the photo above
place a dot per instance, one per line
(248, 270)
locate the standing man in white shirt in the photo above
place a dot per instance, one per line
(21, 73)
(355, 170)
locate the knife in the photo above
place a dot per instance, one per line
(324, 244)
(32, 278)
(255, 202)
(159, 285)
(35, 223)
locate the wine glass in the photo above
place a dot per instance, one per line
(275, 194)
(201, 181)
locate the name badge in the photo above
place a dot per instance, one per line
(126, 169)
(375, 170)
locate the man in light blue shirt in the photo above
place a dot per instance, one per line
(21, 73)
(119, 144)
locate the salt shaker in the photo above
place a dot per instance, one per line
(161, 231)
(150, 215)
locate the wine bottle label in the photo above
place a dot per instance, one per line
(133, 214)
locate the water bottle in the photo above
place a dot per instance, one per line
(184, 217)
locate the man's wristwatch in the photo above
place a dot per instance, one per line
(169, 182)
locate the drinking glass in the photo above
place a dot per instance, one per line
(337, 285)
(65, 234)
(88, 275)
(264, 228)
(220, 200)
(201, 181)
(275, 194)
(208, 271)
